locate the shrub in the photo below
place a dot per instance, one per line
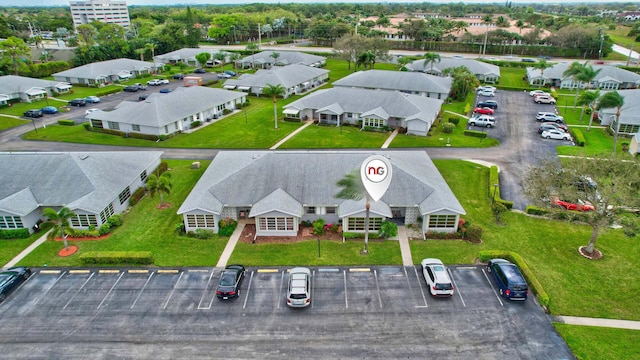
(136, 196)
(22, 233)
(204, 234)
(87, 126)
(115, 220)
(536, 287)
(454, 120)
(318, 227)
(66, 122)
(494, 178)
(334, 228)
(89, 233)
(226, 111)
(180, 228)
(497, 209)
(578, 136)
(164, 166)
(226, 227)
(474, 232)
(534, 210)
(448, 128)
(104, 229)
(388, 229)
(475, 133)
(305, 223)
(352, 235)
(136, 135)
(117, 258)
(109, 91)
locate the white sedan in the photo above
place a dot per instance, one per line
(487, 92)
(556, 135)
(536, 92)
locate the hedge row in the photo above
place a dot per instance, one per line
(21, 233)
(532, 280)
(494, 178)
(109, 91)
(117, 258)
(475, 133)
(66, 122)
(578, 136)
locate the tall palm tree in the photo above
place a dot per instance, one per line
(152, 46)
(141, 52)
(353, 189)
(252, 47)
(610, 100)
(487, 20)
(588, 98)
(60, 220)
(274, 91)
(520, 25)
(431, 58)
(588, 74)
(159, 184)
(573, 71)
(367, 58)
(275, 55)
(234, 57)
(542, 64)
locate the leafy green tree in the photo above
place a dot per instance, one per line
(274, 91)
(464, 82)
(14, 50)
(193, 31)
(60, 220)
(520, 25)
(203, 57)
(588, 98)
(607, 181)
(220, 56)
(349, 46)
(609, 100)
(365, 59)
(160, 184)
(431, 58)
(353, 189)
(86, 34)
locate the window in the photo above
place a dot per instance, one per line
(143, 175)
(442, 221)
(84, 220)
(106, 213)
(10, 222)
(310, 210)
(357, 224)
(331, 209)
(135, 127)
(96, 124)
(113, 125)
(201, 221)
(373, 122)
(124, 195)
(275, 223)
(627, 128)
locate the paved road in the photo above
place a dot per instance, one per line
(382, 312)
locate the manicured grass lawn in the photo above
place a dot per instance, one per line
(9, 122)
(598, 141)
(459, 107)
(84, 91)
(619, 36)
(325, 137)
(19, 108)
(512, 77)
(147, 229)
(594, 343)
(438, 138)
(10, 248)
(572, 115)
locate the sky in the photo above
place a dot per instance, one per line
(218, 2)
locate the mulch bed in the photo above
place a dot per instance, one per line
(68, 252)
(595, 255)
(69, 238)
(163, 206)
(304, 234)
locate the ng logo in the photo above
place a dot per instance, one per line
(376, 170)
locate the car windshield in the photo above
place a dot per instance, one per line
(444, 286)
(227, 280)
(519, 287)
(298, 296)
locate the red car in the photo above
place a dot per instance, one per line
(483, 110)
(580, 206)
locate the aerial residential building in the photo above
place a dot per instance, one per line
(107, 11)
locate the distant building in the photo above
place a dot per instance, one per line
(107, 11)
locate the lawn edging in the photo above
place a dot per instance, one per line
(532, 280)
(117, 258)
(494, 191)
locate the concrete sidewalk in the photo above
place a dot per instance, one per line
(405, 249)
(390, 139)
(231, 244)
(611, 323)
(308, 123)
(26, 251)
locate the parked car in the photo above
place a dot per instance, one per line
(33, 113)
(200, 71)
(544, 99)
(488, 103)
(230, 72)
(140, 86)
(92, 99)
(486, 87)
(49, 110)
(299, 290)
(154, 82)
(224, 75)
(552, 126)
(165, 91)
(163, 81)
(556, 135)
(437, 277)
(487, 92)
(535, 96)
(77, 102)
(536, 92)
(143, 97)
(89, 111)
(549, 116)
(511, 283)
(131, 88)
(230, 281)
(528, 60)
(482, 121)
(11, 278)
(484, 110)
(568, 205)
(178, 76)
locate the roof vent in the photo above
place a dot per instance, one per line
(83, 157)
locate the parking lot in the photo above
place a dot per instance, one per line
(387, 303)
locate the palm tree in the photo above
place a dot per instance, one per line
(487, 19)
(520, 25)
(431, 58)
(573, 71)
(252, 47)
(141, 52)
(60, 220)
(610, 100)
(542, 64)
(234, 57)
(588, 74)
(502, 21)
(353, 189)
(152, 46)
(274, 91)
(588, 98)
(220, 56)
(275, 55)
(366, 58)
(160, 184)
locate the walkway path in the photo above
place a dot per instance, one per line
(308, 123)
(26, 251)
(390, 139)
(611, 323)
(405, 250)
(231, 244)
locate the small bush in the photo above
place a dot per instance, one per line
(108, 91)
(164, 166)
(87, 126)
(534, 210)
(318, 227)
(180, 228)
(66, 122)
(226, 111)
(474, 232)
(117, 258)
(305, 223)
(497, 209)
(22, 233)
(475, 133)
(226, 227)
(79, 233)
(195, 124)
(578, 136)
(448, 128)
(204, 234)
(352, 235)
(136, 196)
(104, 229)
(454, 120)
(388, 229)
(115, 221)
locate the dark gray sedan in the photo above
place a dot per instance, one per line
(11, 279)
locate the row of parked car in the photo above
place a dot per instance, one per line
(485, 109)
(542, 97)
(36, 113)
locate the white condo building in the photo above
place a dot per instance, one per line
(108, 11)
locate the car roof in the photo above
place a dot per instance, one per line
(431, 261)
(300, 270)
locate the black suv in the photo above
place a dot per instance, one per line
(200, 71)
(77, 102)
(35, 113)
(178, 76)
(488, 103)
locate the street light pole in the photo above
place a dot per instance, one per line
(601, 41)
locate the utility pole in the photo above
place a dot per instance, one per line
(630, 52)
(601, 41)
(259, 37)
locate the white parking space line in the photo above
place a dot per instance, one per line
(204, 293)
(44, 294)
(375, 275)
(246, 296)
(313, 286)
(280, 292)
(109, 292)
(346, 301)
(419, 287)
(492, 288)
(456, 287)
(141, 290)
(172, 291)
(77, 291)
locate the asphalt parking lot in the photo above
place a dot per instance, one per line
(380, 312)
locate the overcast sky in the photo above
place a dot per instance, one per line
(200, 2)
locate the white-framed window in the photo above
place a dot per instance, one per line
(331, 209)
(201, 221)
(357, 223)
(275, 223)
(373, 122)
(106, 213)
(310, 210)
(135, 127)
(10, 222)
(113, 125)
(124, 195)
(143, 175)
(442, 221)
(84, 220)
(626, 128)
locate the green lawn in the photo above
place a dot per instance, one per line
(459, 107)
(513, 77)
(594, 343)
(9, 122)
(19, 108)
(619, 36)
(84, 91)
(325, 137)
(437, 138)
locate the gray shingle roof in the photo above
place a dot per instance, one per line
(630, 111)
(606, 72)
(286, 57)
(78, 180)
(161, 109)
(359, 101)
(475, 66)
(104, 68)
(287, 76)
(279, 201)
(397, 80)
(188, 53)
(244, 178)
(10, 84)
